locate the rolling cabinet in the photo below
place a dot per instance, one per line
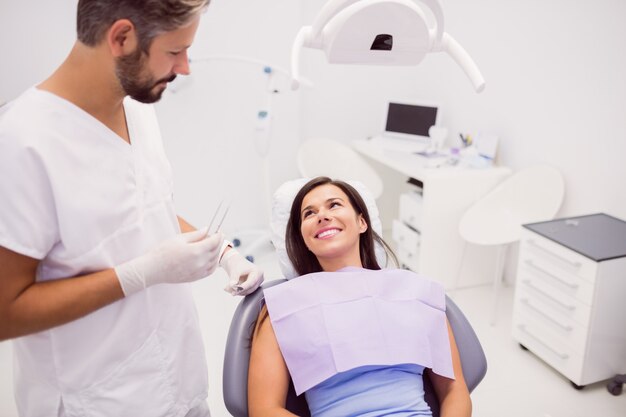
(570, 296)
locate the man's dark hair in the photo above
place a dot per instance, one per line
(150, 17)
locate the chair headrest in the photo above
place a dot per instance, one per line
(281, 207)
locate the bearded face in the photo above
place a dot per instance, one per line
(137, 80)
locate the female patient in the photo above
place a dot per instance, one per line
(354, 337)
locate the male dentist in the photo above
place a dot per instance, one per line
(94, 261)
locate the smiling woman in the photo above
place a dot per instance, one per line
(346, 332)
(331, 227)
(343, 206)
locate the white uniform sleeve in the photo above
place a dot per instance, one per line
(28, 222)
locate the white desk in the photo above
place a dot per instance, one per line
(447, 193)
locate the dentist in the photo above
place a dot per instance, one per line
(93, 258)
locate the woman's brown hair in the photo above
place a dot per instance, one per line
(303, 260)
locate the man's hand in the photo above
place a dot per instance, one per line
(184, 258)
(243, 276)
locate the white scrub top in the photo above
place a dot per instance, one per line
(80, 199)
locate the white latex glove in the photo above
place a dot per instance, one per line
(243, 276)
(183, 258)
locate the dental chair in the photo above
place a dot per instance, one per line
(239, 341)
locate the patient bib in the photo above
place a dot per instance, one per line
(331, 322)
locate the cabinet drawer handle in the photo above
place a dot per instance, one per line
(565, 327)
(574, 264)
(531, 264)
(551, 297)
(561, 355)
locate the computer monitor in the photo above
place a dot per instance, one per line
(410, 119)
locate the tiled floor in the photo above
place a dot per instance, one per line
(518, 384)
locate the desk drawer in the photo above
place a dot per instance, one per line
(411, 208)
(561, 327)
(560, 259)
(405, 237)
(562, 282)
(408, 258)
(560, 357)
(559, 308)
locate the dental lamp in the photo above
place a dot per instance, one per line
(380, 32)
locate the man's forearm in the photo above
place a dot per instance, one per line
(184, 225)
(48, 304)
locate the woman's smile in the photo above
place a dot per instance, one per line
(327, 233)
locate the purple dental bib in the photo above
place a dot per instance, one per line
(330, 322)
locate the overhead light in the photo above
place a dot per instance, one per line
(380, 32)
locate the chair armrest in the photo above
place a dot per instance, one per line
(473, 360)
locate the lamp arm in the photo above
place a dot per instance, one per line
(329, 10)
(437, 11)
(462, 58)
(303, 35)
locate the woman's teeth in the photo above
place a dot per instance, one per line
(327, 233)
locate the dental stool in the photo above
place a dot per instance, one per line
(239, 341)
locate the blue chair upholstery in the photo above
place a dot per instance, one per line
(238, 344)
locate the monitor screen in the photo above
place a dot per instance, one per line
(410, 119)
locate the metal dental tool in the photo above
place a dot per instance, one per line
(208, 230)
(237, 288)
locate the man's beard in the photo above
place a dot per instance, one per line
(142, 88)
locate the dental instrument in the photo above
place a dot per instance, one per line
(219, 225)
(236, 287)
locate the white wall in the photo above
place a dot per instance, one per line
(35, 36)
